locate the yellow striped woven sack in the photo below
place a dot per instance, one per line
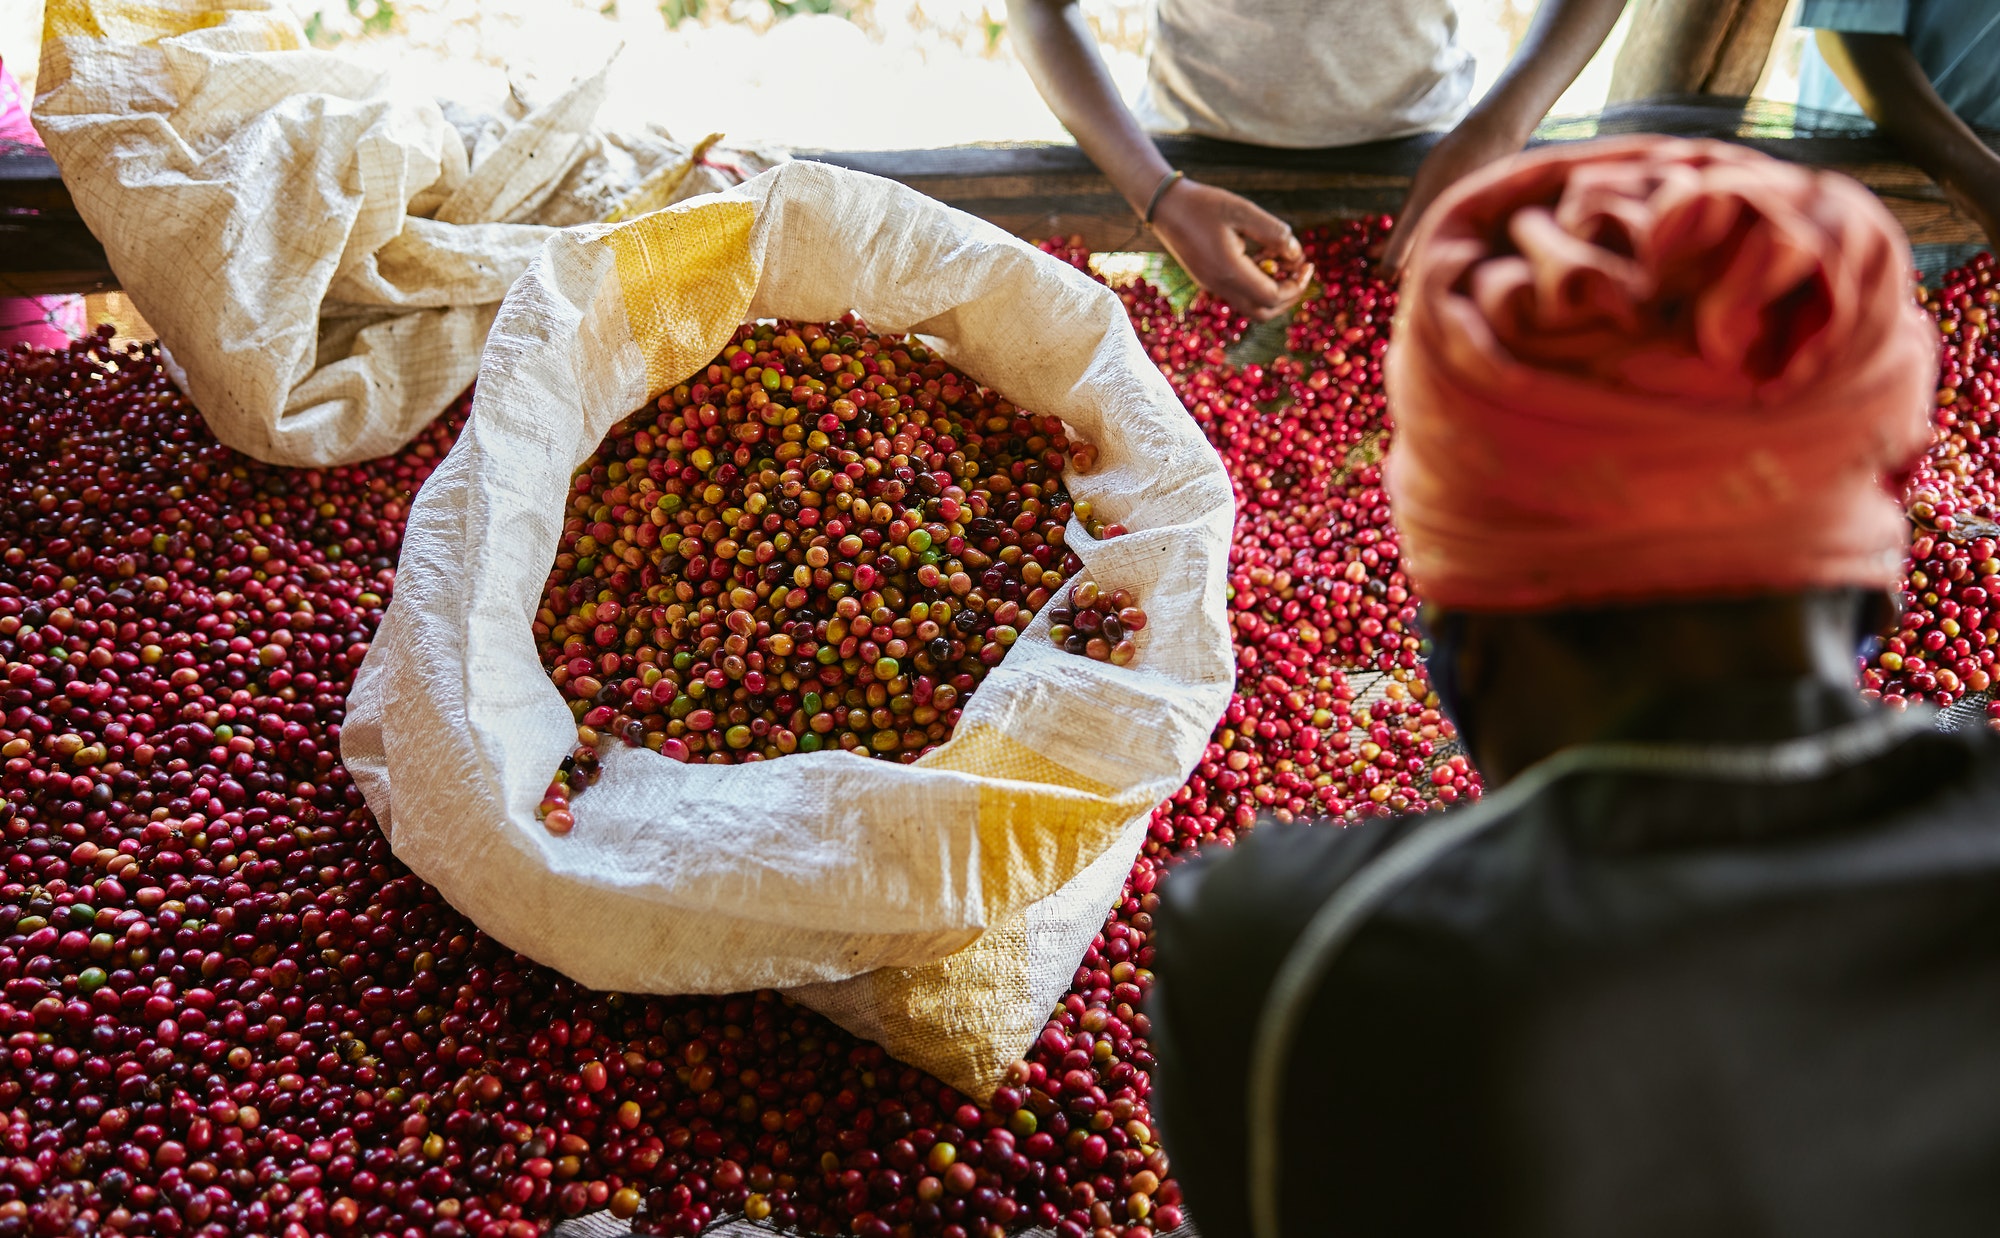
(940, 907)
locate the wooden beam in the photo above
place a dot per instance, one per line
(1037, 191)
(1927, 216)
(44, 245)
(1042, 191)
(1679, 47)
(57, 283)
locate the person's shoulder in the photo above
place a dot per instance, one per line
(1278, 850)
(1273, 877)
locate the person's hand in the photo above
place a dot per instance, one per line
(1466, 149)
(1211, 233)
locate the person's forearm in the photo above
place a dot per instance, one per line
(1894, 90)
(1062, 58)
(1561, 39)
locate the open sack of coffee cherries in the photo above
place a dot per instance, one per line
(822, 594)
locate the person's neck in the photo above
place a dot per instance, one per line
(1746, 711)
(1676, 681)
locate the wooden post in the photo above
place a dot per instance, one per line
(1682, 47)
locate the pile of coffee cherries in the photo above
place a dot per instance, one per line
(823, 540)
(209, 960)
(1949, 633)
(227, 1009)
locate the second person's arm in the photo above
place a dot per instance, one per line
(1209, 231)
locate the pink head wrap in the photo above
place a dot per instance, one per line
(1653, 368)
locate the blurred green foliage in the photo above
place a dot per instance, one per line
(677, 11)
(379, 18)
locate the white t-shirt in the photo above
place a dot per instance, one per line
(1303, 73)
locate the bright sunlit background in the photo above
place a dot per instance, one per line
(827, 74)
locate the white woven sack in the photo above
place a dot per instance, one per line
(1011, 839)
(320, 250)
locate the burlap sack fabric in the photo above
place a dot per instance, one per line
(940, 907)
(320, 250)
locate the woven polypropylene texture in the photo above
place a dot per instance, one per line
(332, 327)
(937, 908)
(1967, 712)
